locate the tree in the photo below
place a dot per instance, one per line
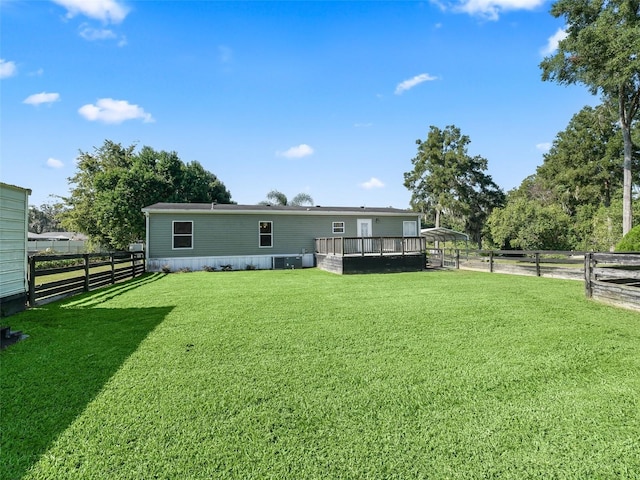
(582, 166)
(601, 51)
(447, 181)
(114, 183)
(278, 198)
(45, 218)
(526, 225)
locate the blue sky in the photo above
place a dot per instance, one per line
(325, 98)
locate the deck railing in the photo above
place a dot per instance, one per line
(344, 246)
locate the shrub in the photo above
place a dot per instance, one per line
(250, 267)
(207, 268)
(166, 269)
(630, 242)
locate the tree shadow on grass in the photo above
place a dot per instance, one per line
(47, 381)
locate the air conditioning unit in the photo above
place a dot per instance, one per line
(287, 263)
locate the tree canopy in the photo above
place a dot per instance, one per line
(113, 183)
(276, 197)
(447, 181)
(602, 51)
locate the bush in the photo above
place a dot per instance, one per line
(630, 242)
(207, 268)
(166, 269)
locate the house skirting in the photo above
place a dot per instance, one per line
(243, 262)
(13, 304)
(371, 263)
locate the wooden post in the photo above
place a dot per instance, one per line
(133, 265)
(588, 272)
(381, 245)
(86, 271)
(491, 261)
(457, 258)
(113, 269)
(32, 281)
(538, 264)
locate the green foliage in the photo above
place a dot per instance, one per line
(630, 242)
(420, 375)
(46, 218)
(525, 225)
(114, 183)
(275, 197)
(447, 181)
(600, 51)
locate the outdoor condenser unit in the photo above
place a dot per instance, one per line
(282, 263)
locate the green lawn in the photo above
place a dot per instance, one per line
(303, 374)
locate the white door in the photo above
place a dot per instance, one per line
(365, 229)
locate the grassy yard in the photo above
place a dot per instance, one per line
(303, 374)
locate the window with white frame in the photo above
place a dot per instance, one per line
(409, 229)
(182, 234)
(337, 227)
(266, 234)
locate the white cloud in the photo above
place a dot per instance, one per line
(54, 163)
(412, 82)
(553, 41)
(108, 110)
(491, 9)
(373, 182)
(40, 98)
(91, 34)
(544, 147)
(7, 69)
(302, 150)
(108, 11)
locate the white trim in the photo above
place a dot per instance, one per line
(333, 227)
(174, 234)
(260, 234)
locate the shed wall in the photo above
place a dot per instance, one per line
(13, 240)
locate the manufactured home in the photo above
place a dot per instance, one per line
(195, 236)
(14, 225)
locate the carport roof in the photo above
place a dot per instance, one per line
(442, 234)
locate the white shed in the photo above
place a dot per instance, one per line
(14, 225)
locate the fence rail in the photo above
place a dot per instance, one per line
(345, 246)
(540, 263)
(613, 278)
(93, 270)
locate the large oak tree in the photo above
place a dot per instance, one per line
(446, 180)
(113, 183)
(602, 51)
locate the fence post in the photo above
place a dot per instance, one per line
(588, 273)
(491, 261)
(457, 258)
(113, 269)
(133, 265)
(537, 264)
(32, 280)
(85, 256)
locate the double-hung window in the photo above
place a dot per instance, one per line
(337, 227)
(182, 235)
(265, 234)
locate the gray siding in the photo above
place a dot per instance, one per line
(13, 240)
(237, 234)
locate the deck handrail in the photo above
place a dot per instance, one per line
(370, 245)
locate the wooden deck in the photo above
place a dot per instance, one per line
(348, 255)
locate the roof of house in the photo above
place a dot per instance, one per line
(283, 209)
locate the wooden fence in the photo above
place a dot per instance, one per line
(92, 271)
(613, 278)
(540, 263)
